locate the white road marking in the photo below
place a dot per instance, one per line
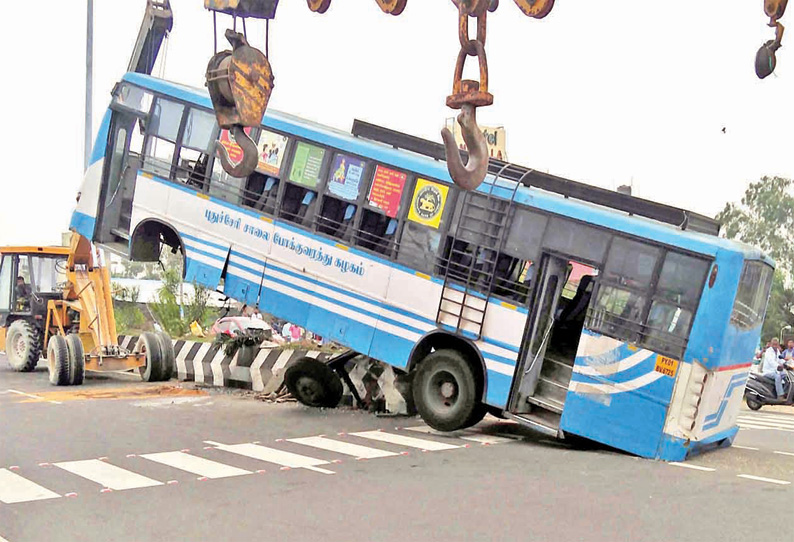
(481, 438)
(402, 440)
(745, 447)
(14, 488)
(745, 425)
(344, 448)
(779, 417)
(107, 475)
(271, 455)
(690, 466)
(769, 422)
(783, 453)
(762, 479)
(3, 539)
(37, 397)
(196, 465)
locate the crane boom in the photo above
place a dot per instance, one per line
(157, 23)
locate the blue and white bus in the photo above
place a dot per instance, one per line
(366, 241)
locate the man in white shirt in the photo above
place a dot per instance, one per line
(771, 366)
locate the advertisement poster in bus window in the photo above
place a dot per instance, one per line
(307, 164)
(427, 205)
(346, 175)
(271, 152)
(387, 190)
(234, 150)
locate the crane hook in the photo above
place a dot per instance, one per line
(250, 158)
(471, 175)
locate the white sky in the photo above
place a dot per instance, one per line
(602, 92)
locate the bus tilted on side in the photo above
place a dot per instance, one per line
(571, 309)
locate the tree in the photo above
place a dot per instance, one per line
(765, 218)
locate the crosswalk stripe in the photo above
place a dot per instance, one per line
(767, 423)
(781, 417)
(746, 425)
(768, 419)
(481, 438)
(107, 475)
(196, 465)
(345, 448)
(14, 488)
(271, 455)
(402, 440)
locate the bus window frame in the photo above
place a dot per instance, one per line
(307, 223)
(363, 186)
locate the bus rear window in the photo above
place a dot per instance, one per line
(752, 296)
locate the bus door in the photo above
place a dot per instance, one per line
(118, 181)
(552, 337)
(551, 276)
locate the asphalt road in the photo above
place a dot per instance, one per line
(117, 459)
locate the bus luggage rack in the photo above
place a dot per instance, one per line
(686, 220)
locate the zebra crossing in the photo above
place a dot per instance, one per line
(216, 460)
(767, 421)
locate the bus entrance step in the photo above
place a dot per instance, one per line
(552, 389)
(541, 424)
(546, 402)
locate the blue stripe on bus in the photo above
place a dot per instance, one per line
(369, 300)
(204, 241)
(251, 259)
(206, 253)
(234, 265)
(83, 224)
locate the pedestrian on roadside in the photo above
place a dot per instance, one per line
(788, 353)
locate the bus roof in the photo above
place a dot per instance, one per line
(421, 164)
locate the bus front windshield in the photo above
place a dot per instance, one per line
(48, 273)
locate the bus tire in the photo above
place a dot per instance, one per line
(23, 346)
(76, 359)
(167, 352)
(58, 361)
(313, 383)
(445, 391)
(149, 344)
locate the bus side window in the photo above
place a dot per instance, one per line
(427, 214)
(198, 141)
(674, 303)
(377, 230)
(162, 132)
(261, 187)
(300, 193)
(341, 196)
(625, 289)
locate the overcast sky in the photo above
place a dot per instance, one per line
(608, 93)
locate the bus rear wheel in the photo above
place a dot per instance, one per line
(445, 392)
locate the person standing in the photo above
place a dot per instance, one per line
(788, 353)
(771, 366)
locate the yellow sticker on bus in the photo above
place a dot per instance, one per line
(427, 205)
(666, 366)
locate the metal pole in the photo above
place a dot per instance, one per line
(89, 87)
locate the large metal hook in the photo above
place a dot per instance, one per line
(250, 159)
(471, 175)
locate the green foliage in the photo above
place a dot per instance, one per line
(128, 293)
(167, 309)
(129, 318)
(765, 218)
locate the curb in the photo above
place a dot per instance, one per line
(379, 386)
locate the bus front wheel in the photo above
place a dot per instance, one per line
(445, 392)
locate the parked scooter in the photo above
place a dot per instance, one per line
(760, 390)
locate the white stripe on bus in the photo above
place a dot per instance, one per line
(107, 475)
(196, 465)
(14, 488)
(612, 368)
(617, 387)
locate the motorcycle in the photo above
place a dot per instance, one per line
(760, 390)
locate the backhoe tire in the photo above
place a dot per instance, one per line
(313, 383)
(76, 359)
(149, 344)
(445, 392)
(167, 352)
(58, 361)
(23, 346)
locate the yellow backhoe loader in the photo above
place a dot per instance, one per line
(56, 302)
